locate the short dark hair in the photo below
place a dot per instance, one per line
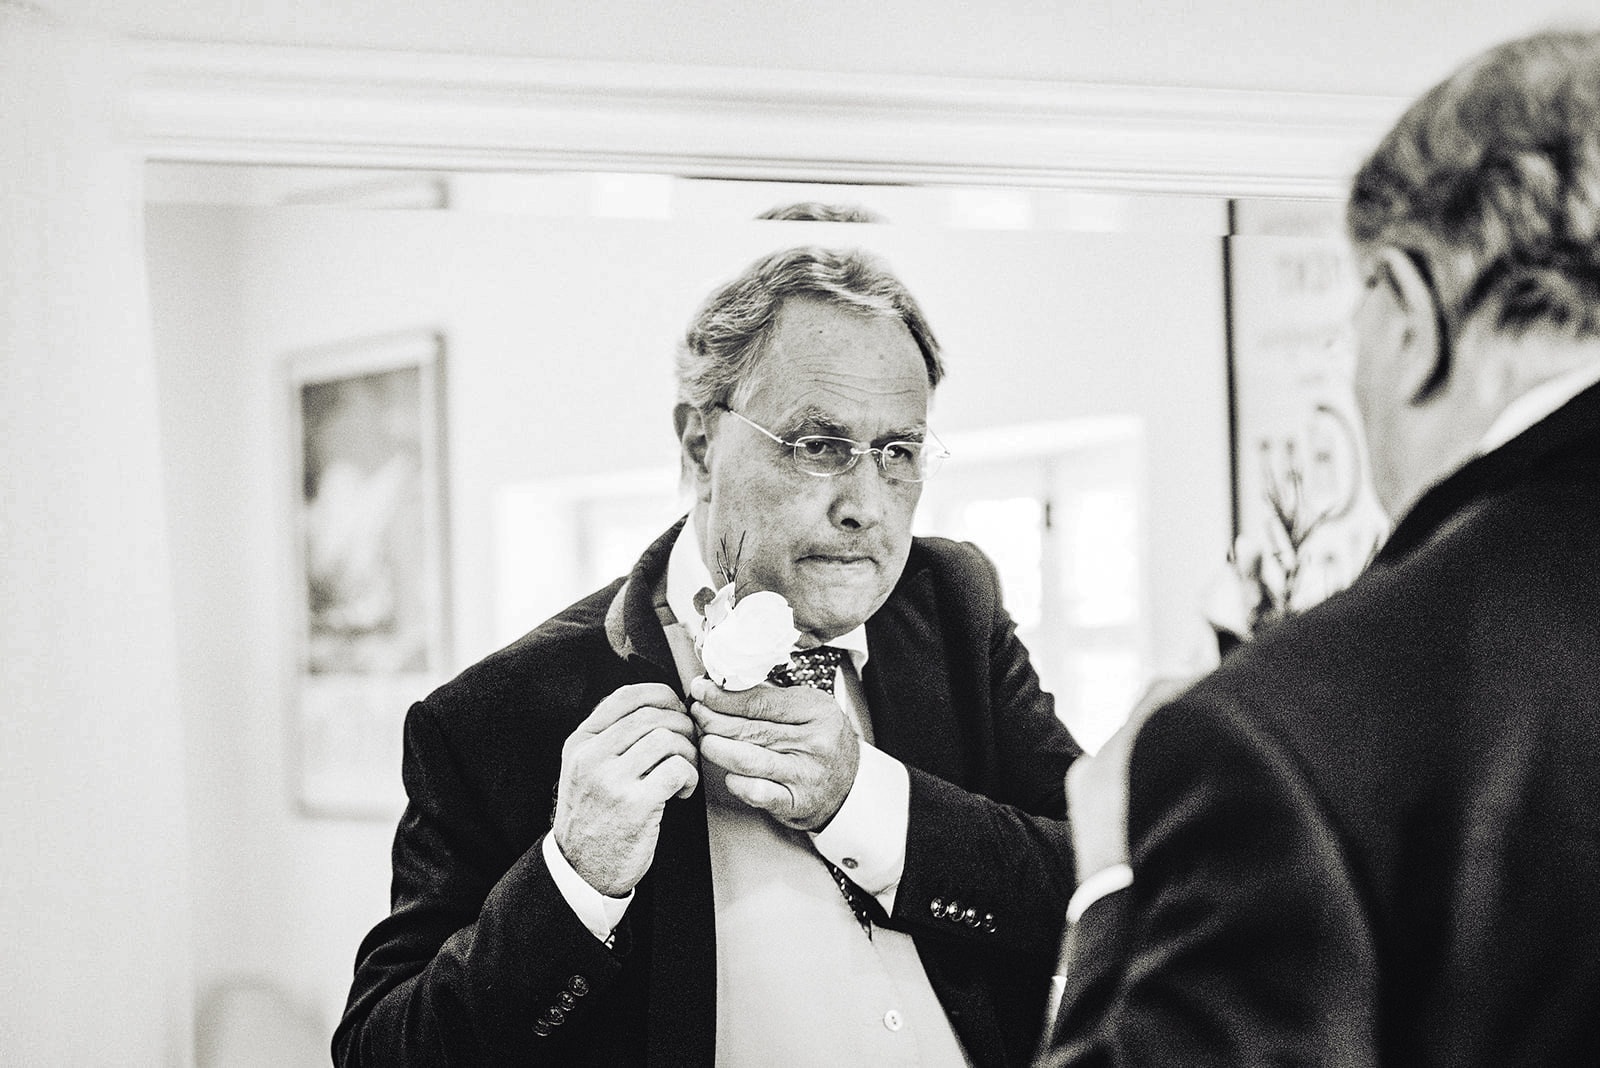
(729, 332)
(1493, 177)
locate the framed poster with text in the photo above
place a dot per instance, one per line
(1296, 432)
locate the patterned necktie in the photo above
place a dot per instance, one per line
(816, 668)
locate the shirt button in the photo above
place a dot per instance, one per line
(893, 1020)
(851, 862)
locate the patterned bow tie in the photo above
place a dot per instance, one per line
(810, 667)
(817, 668)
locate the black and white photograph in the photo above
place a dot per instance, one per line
(1011, 535)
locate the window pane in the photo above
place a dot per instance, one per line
(1106, 683)
(1010, 531)
(1102, 574)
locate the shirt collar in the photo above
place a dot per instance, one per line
(687, 575)
(1537, 403)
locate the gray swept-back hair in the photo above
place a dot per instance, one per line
(730, 331)
(817, 211)
(1493, 178)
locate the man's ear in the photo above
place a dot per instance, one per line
(693, 445)
(1423, 353)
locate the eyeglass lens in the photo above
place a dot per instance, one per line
(906, 461)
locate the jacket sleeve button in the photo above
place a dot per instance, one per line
(542, 1028)
(555, 1014)
(578, 985)
(952, 910)
(566, 1000)
(970, 917)
(936, 906)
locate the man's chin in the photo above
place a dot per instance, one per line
(825, 624)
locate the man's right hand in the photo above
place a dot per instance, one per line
(618, 770)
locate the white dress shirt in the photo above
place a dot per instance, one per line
(1536, 403)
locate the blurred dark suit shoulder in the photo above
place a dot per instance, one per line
(1372, 836)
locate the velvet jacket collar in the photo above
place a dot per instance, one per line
(1568, 437)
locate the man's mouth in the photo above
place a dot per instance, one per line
(838, 559)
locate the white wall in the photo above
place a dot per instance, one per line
(93, 858)
(559, 341)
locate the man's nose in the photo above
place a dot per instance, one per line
(859, 495)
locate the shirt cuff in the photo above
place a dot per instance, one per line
(1102, 883)
(867, 836)
(599, 913)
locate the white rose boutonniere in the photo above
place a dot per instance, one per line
(742, 638)
(742, 641)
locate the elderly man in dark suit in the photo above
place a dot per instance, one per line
(1372, 837)
(609, 860)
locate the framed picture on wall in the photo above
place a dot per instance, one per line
(369, 556)
(1299, 459)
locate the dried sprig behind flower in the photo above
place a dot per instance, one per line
(728, 567)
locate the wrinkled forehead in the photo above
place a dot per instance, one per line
(823, 362)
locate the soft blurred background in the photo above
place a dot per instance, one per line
(1121, 219)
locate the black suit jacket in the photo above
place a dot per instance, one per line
(1372, 837)
(480, 942)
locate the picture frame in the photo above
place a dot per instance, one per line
(369, 531)
(1296, 433)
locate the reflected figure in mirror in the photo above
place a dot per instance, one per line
(609, 859)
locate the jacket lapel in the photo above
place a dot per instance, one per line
(676, 893)
(632, 628)
(683, 958)
(907, 681)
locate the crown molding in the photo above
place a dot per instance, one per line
(229, 103)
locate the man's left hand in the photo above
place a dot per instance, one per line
(1097, 786)
(788, 750)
